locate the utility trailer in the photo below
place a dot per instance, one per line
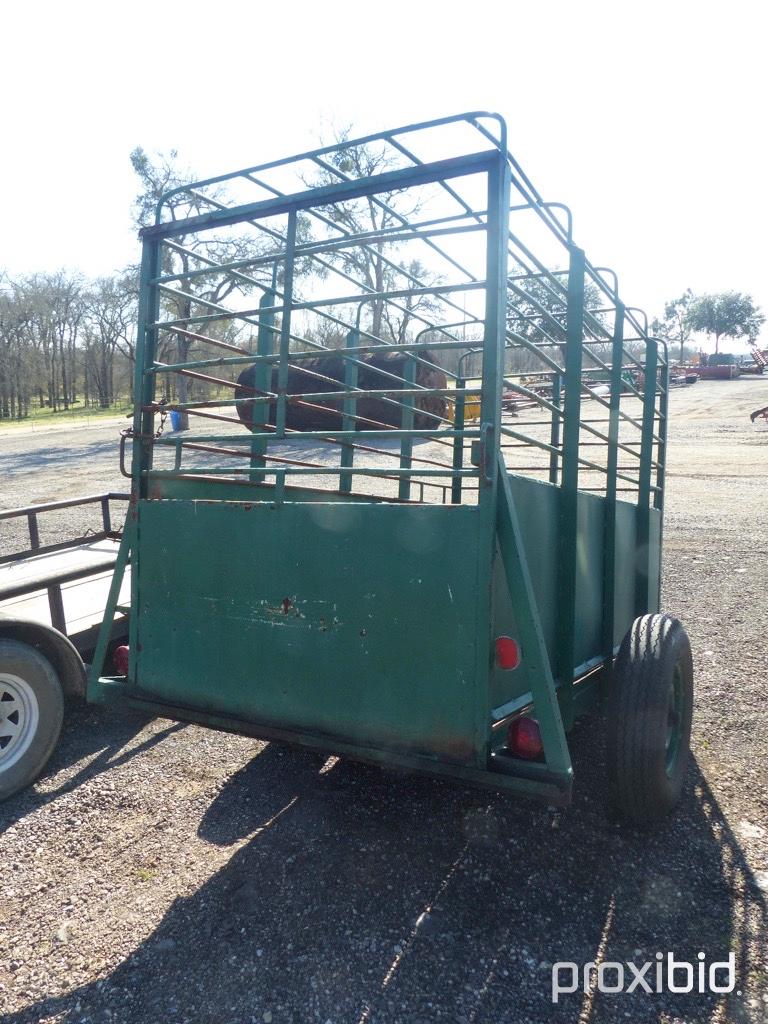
(52, 600)
(354, 547)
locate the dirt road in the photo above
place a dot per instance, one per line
(164, 873)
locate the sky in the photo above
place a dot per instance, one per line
(648, 119)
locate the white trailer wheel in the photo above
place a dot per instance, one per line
(31, 714)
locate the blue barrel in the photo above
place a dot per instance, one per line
(175, 419)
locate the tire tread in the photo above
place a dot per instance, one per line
(652, 648)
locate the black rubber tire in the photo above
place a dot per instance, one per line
(23, 661)
(645, 777)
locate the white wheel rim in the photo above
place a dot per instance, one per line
(19, 718)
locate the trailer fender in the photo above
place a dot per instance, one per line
(57, 648)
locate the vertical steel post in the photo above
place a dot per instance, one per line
(144, 381)
(554, 434)
(458, 442)
(285, 325)
(56, 606)
(34, 532)
(262, 374)
(349, 419)
(661, 454)
(406, 422)
(143, 427)
(569, 486)
(643, 600)
(495, 332)
(497, 229)
(609, 525)
(106, 519)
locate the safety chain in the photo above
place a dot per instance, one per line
(163, 416)
(128, 432)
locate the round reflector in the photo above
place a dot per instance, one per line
(524, 738)
(507, 652)
(120, 660)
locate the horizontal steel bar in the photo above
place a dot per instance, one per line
(470, 117)
(392, 212)
(392, 473)
(391, 454)
(321, 434)
(327, 194)
(191, 336)
(388, 235)
(387, 136)
(338, 300)
(293, 357)
(619, 490)
(343, 393)
(508, 432)
(521, 389)
(47, 549)
(520, 182)
(67, 503)
(52, 579)
(334, 268)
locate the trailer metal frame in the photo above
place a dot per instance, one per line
(29, 571)
(353, 605)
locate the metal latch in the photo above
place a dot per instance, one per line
(481, 453)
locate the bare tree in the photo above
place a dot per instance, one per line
(53, 309)
(193, 252)
(18, 365)
(62, 338)
(109, 329)
(375, 263)
(676, 326)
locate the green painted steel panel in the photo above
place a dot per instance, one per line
(537, 509)
(626, 569)
(654, 559)
(201, 488)
(537, 505)
(631, 559)
(588, 601)
(353, 621)
(315, 615)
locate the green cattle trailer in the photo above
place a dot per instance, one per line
(399, 570)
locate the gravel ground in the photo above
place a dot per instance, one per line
(162, 873)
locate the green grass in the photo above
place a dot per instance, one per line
(75, 414)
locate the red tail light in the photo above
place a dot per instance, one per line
(507, 652)
(524, 738)
(120, 660)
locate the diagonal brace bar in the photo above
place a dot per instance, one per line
(521, 591)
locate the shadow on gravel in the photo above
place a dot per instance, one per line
(355, 895)
(40, 459)
(87, 731)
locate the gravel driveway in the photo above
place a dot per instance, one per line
(166, 874)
